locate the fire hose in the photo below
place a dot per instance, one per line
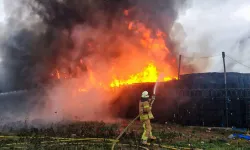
(131, 123)
(63, 141)
(117, 139)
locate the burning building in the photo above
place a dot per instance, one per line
(93, 58)
(95, 48)
(90, 50)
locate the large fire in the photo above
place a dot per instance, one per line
(144, 64)
(148, 74)
(95, 49)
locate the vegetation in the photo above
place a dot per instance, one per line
(100, 135)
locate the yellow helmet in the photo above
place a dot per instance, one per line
(145, 94)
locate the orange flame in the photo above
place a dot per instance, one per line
(125, 12)
(151, 55)
(149, 74)
(82, 90)
(58, 74)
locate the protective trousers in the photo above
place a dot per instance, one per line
(147, 133)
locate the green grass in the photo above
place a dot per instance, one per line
(76, 136)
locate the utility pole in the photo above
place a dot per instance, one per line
(179, 67)
(225, 85)
(178, 98)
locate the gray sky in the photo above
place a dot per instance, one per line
(214, 26)
(2, 13)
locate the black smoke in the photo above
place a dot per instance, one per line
(31, 57)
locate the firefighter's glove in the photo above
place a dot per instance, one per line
(153, 97)
(141, 112)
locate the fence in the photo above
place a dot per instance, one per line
(228, 95)
(212, 93)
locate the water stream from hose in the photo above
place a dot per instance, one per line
(156, 83)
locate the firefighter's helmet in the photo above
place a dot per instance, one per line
(145, 94)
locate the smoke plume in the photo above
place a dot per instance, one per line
(208, 28)
(87, 42)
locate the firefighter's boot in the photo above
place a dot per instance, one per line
(144, 142)
(152, 137)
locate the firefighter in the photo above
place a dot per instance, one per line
(145, 117)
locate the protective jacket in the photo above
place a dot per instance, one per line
(145, 109)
